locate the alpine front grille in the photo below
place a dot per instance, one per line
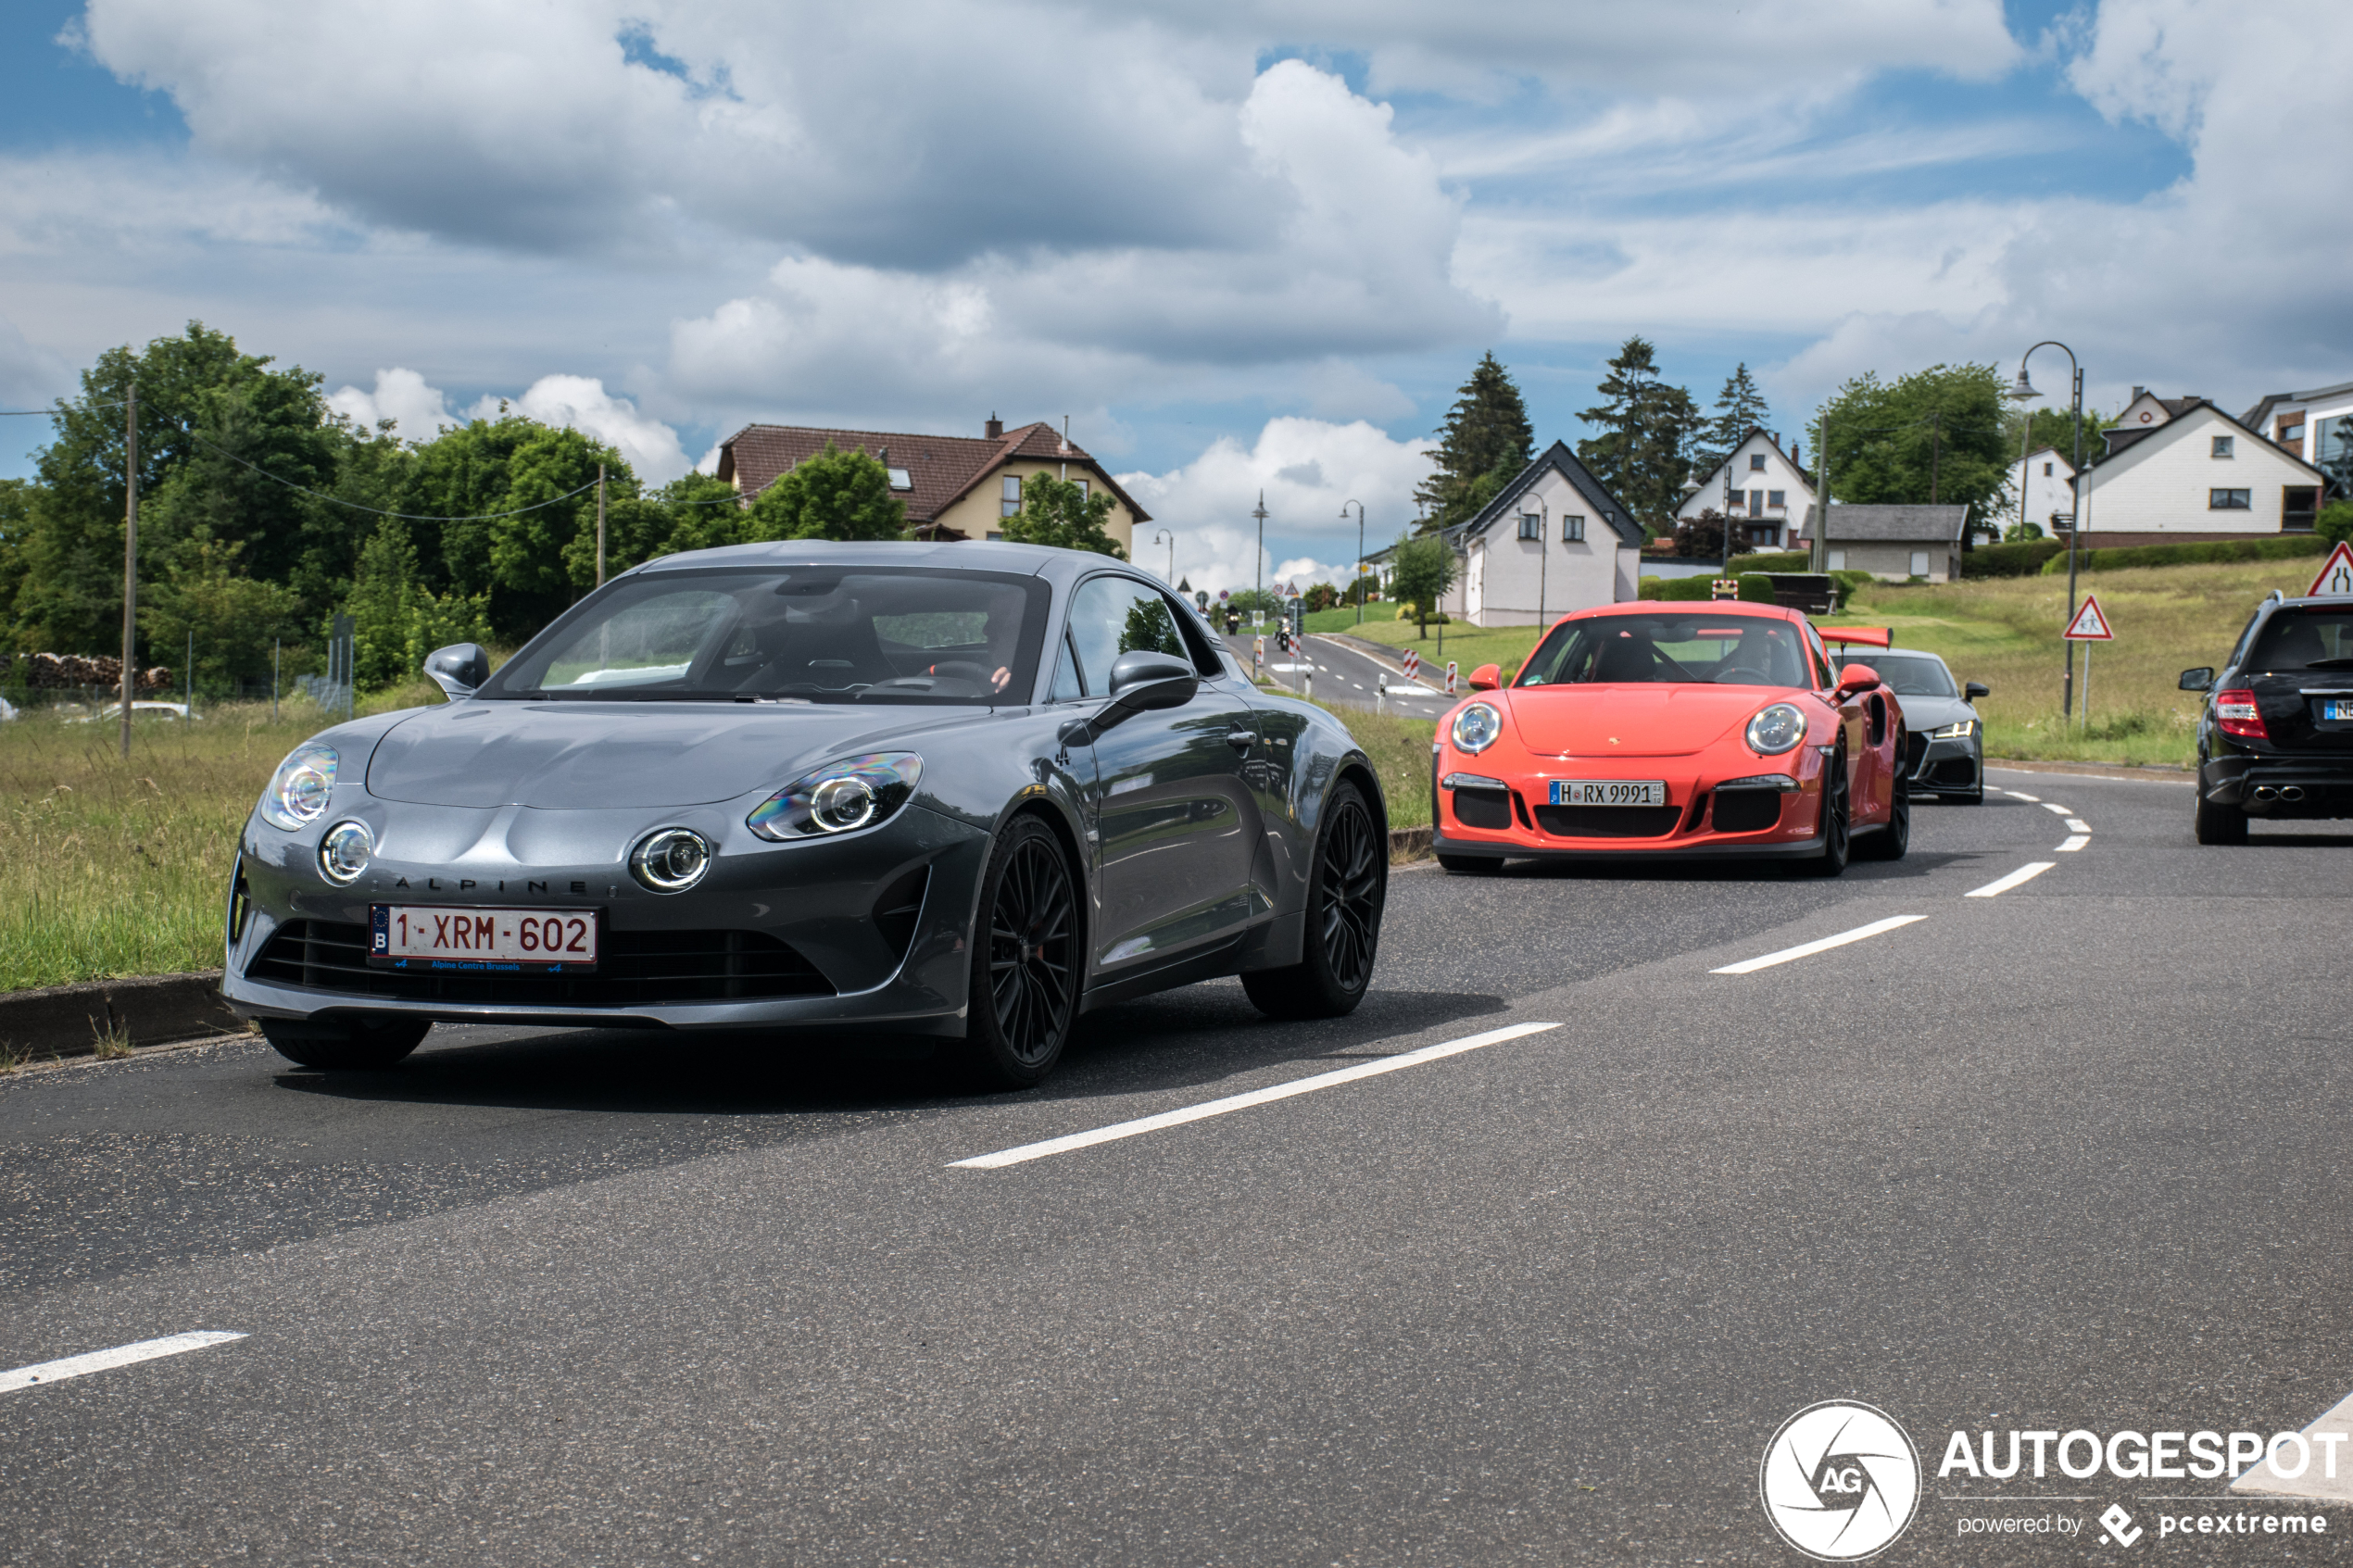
(637, 969)
(1748, 811)
(1608, 822)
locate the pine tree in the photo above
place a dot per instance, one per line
(1486, 439)
(1740, 408)
(1643, 453)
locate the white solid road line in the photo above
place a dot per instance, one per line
(101, 1360)
(1806, 949)
(1117, 1130)
(2072, 844)
(2026, 873)
(2076, 824)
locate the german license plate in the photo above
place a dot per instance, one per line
(2337, 712)
(1608, 792)
(495, 941)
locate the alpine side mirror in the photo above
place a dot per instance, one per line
(459, 670)
(1856, 678)
(1140, 681)
(1976, 689)
(1486, 678)
(2197, 680)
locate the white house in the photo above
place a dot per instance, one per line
(2316, 426)
(1759, 489)
(2048, 482)
(2179, 469)
(1551, 541)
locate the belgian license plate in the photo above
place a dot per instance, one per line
(1608, 792)
(2337, 712)
(495, 941)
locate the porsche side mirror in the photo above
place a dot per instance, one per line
(1486, 678)
(1856, 678)
(1976, 689)
(459, 670)
(2197, 680)
(1141, 683)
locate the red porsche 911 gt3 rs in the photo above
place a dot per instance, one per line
(1650, 729)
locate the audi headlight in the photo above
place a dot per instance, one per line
(1776, 730)
(1476, 727)
(671, 861)
(300, 789)
(345, 850)
(1961, 730)
(858, 792)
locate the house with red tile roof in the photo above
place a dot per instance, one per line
(955, 486)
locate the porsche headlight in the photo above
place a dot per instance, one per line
(1961, 730)
(300, 789)
(1776, 730)
(858, 792)
(1476, 727)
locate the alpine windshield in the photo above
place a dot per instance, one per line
(821, 633)
(1677, 649)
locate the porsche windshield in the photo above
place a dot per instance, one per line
(1687, 649)
(828, 633)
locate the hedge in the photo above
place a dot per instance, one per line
(2211, 552)
(1770, 560)
(2009, 560)
(1755, 587)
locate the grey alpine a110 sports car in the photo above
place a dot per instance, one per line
(967, 790)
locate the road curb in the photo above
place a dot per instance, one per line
(2135, 772)
(61, 1021)
(1408, 843)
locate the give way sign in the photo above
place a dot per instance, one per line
(2090, 625)
(2336, 580)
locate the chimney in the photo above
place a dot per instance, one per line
(994, 429)
(2139, 393)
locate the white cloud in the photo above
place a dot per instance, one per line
(581, 403)
(417, 411)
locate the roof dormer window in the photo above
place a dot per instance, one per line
(901, 479)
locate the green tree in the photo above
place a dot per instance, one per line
(2053, 428)
(832, 494)
(16, 516)
(395, 619)
(1740, 408)
(201, 601)
(1642, 455)
(1061, 513)
(1425, 570)
(2335, 521)
(1486, 439)
(1934, 435)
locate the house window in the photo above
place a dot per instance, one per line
(1010, 501)
(1573, 528)
(2299, 507)
(2229, 500)
(1776, 499)
(1837, 560)
(1756, 502)
(996, 533)
(1919, 563)
(2222, 444)
(1757, 462)
(1532, 525)
(1736, 501)
(2046, 470)
(1082, 488)
(901, 479)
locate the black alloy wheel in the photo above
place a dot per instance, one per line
(1892, 842)
(2217, 823)
(1024, 992)
(1837, 818)
(357, 1045)
(1346, 894)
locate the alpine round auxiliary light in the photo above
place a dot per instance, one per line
(345, 850)
(671, 860)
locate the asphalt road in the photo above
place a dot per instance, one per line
(2067, 1157)
(1347, 677)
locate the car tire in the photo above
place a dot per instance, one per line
(1347, 890)
(1837, 822)
(2217, 823)
(1027, 960)
(362, 1045)
(1894, 841)
(1470, 865)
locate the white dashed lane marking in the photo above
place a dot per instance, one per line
(104, 1361)
(1807, 949)
(2072, 845)
(2026, 873)
(2062, 810)
(2016, 795)
(2076, 824)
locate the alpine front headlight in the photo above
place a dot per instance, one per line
(858, 792)
(300, 789)
(1776, 730)
(1476, 727)
(1960, 731)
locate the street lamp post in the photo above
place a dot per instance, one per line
(1357, 587)
(1259, 560)
(2023, 391)
(1164, 533)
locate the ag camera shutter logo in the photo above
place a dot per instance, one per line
(1840, 1481)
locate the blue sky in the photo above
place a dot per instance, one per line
(1232, 243)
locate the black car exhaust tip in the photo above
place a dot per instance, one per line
(2265, 791)
(2292, 792)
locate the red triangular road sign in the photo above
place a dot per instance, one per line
(2090, 623)
(2336, 580)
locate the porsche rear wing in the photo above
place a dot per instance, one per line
(1870, 636)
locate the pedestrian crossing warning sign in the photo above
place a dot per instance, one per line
(2090, 623)
(2336, 580)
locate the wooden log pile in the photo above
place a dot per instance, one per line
(54, 671)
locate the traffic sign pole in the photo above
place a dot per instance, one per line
(2090, 625)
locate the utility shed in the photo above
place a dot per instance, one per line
(1894, 543)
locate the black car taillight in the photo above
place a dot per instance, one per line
(2237, 713)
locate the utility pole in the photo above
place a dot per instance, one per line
(1935, 450)
(1357, 587)
(1818, 558)
(600, 525)
(129, 555)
